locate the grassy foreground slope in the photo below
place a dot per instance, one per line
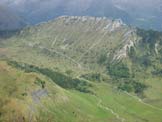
(24, 99)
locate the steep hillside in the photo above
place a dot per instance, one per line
(79, 40)
(88, 69)
(30, 93)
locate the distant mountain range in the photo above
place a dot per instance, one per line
(144, 14)
(9, 20)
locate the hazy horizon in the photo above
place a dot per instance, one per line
(141, 13)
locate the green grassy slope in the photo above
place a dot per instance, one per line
(70, 40)
(77, 69)
(28, 99)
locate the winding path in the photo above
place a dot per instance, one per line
(63, 55)
(109, 109)
(141, 101)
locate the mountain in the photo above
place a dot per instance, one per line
(78, 8)
(81, 68)
(145, 13)
(10, 21)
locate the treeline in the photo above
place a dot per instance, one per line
(125, 80)
(60, 79)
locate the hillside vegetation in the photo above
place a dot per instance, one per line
(77, 69)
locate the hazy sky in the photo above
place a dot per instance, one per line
(42, 10)
(25, 5)
(150, 6)
(22, 3)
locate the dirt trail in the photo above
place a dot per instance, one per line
(63, 55)
(54, 42)
(141, 101)
(109, 109)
